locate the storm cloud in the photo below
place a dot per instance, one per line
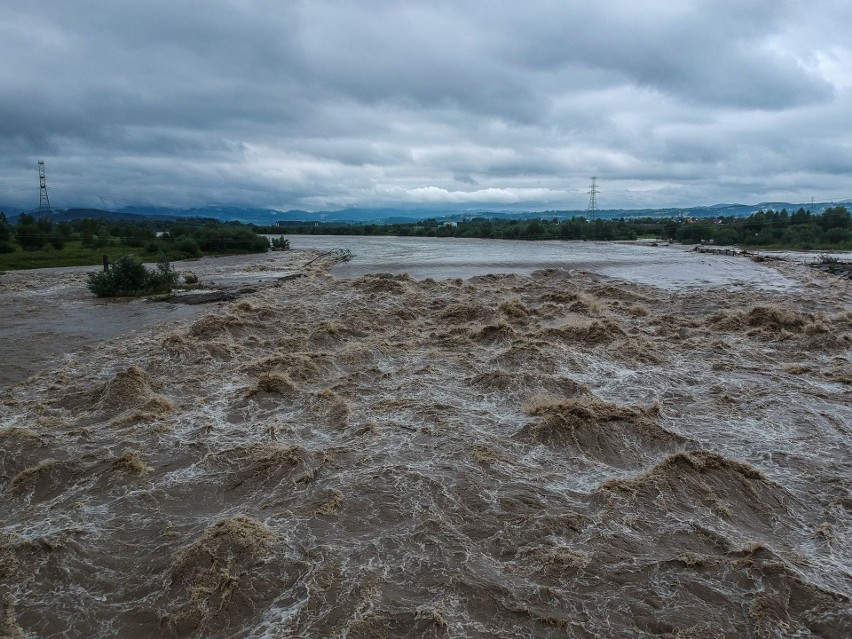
(328, 104)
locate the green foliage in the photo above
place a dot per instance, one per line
(6, 245)
(128, 277)
(84, 241)
(837, 217)
(30, 234)
(5, 229)
(56, 240)
(164, 277)
(550, 228)
(280, 244)
(186, 246)
(801, 229)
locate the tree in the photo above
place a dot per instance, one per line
(6, 245)
(56, 240)
(5, 228)
(29, 235)
(835, 217)
(800, 217)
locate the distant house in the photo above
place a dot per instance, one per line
(450, 224)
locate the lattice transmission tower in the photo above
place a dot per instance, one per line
(43, 200)
(593, 199)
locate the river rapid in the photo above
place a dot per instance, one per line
(579, 440)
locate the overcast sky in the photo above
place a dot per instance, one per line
(330, 104)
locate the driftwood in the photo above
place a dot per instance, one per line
(211, 296)
(337, 255)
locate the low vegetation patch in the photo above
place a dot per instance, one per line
(128, 277)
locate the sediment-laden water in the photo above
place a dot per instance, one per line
(553, 454)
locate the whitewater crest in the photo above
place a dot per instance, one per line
(550, 455)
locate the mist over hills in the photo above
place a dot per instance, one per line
(265, 216)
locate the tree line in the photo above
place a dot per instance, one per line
(174, 239)
(801, 229)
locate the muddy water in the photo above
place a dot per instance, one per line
(443, 258)
(46, 314)
(543, 455)
(37, 328)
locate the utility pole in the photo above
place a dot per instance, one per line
(593, 199)
(43, 200)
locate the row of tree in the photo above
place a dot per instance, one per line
(192, 238)
(577, 228)
(176, 239)
(801, 229)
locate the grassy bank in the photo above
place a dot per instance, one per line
(41, 243)
(73, 254)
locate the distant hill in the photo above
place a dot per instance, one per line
(97, 214)
(66, 215)
(389, 215)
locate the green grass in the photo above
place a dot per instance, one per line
(72, 255)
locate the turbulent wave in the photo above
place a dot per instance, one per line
(545, 456)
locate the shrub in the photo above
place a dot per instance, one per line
(163, 278)
(187, 246)
(280, 244)
(56, 241)
(30, 237)
(134, 242)
(129, 277)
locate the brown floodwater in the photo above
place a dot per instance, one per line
(549, 454)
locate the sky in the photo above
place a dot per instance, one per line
(328, 104)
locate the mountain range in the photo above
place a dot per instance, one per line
(265, 216)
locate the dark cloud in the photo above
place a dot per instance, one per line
(334, 103)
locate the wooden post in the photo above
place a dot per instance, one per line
(106, 263)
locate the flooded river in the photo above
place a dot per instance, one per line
(512, 440)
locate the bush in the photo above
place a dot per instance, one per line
(163, 278)
(187, 246)
(129, 277)
(30, 237)
(280, 244)
(101, 241)
(56, 241)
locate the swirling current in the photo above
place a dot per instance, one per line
(551, 454)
